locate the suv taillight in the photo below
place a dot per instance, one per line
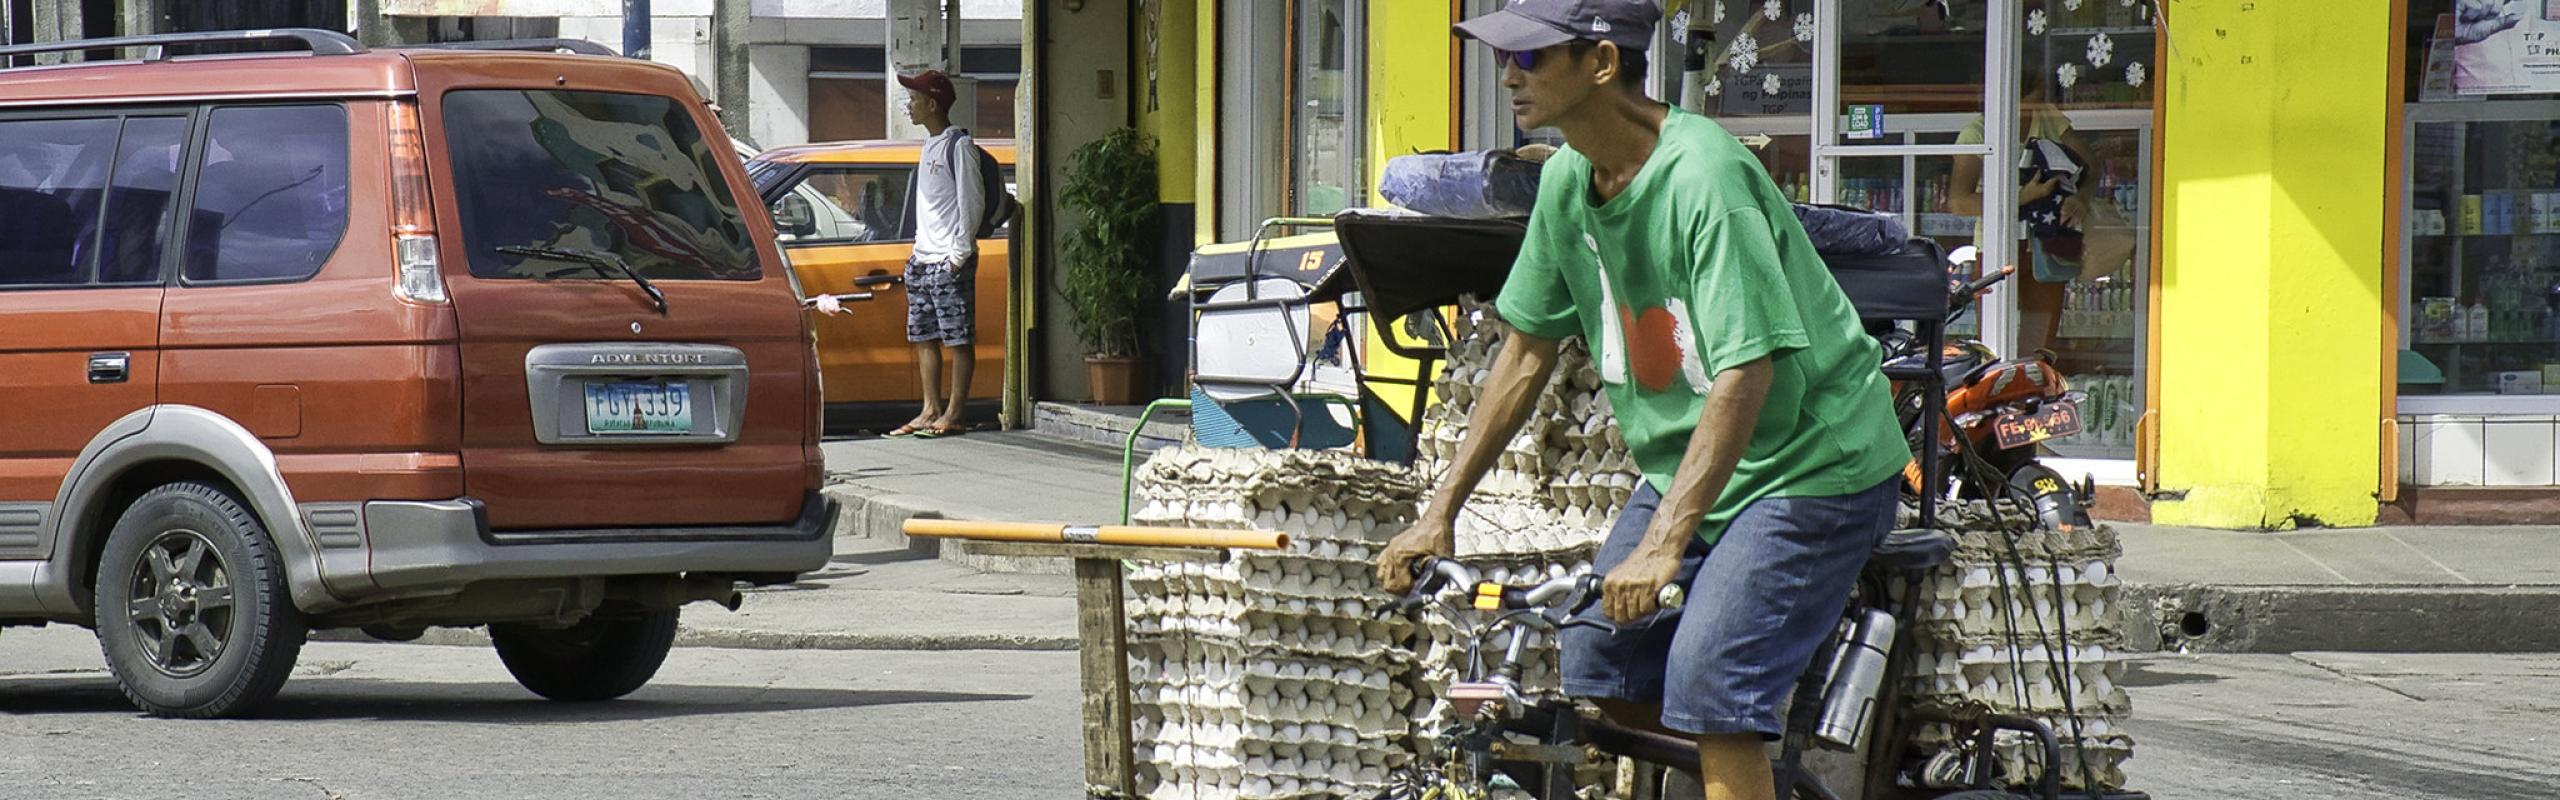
(413, 210)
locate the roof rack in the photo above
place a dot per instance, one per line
(578, 46)
(321, 43)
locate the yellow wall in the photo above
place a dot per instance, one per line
(1205, 109)
(2271, 282)
(1174, 121)
(1412, 90)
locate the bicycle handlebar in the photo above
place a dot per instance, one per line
(1434, 575)
(1965, 295)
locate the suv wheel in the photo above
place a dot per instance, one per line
(600, 658)
(192, 609)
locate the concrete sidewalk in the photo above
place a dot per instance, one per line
(2373, 589)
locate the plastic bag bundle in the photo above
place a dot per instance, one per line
(1476, 184)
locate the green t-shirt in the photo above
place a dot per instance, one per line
(1698, 267)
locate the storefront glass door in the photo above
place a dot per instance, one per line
(1898, 85)
(1921, 98)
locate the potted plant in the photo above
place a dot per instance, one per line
(1107, 255)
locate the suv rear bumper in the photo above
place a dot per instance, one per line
(423, 547)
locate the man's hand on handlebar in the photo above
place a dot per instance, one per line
(1429, 536)
(1634, 588)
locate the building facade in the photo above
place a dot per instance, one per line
(2324, 296)
(817, 69)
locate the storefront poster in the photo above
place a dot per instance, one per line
(1749, 95)
(2506, 46)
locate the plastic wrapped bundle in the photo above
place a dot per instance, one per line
(1844, 230)
(1478, 184)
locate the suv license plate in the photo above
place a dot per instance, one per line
(2057, 419)
(639, 407)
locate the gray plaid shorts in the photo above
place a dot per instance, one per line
(942, 299)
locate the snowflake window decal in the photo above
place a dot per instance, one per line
(1804, 27)
(1715, 12)
(2035, 22)
(2134, 73)
(2102, 51)
(1745, 54)
(2069, 75)
(2071, 5)
(1774, 10)
(1715, 86)
(1770, 85)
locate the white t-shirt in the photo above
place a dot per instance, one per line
(948, 201)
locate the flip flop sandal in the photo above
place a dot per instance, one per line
(939, 431)
(904, 431)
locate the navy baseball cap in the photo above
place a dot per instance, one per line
(1527, 25)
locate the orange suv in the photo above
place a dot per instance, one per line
(329, 337)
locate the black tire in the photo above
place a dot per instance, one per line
(1981, 794)
(600, 658)
(192, 609)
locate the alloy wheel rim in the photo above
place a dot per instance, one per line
(181, 603)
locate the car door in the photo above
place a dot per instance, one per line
(842, 225)
(85, 204)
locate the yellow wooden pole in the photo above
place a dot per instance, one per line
(1125, 535)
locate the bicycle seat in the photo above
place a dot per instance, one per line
(1914, 549)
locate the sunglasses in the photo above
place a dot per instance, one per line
(1526, 60)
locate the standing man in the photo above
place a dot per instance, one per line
(1746, 389)
(942, 273)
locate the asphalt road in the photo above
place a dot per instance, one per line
(365, 721)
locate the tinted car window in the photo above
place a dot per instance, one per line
(53, 176)
(271, 198)
(624, 174)
(142, 200)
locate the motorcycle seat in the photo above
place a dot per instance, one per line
(1914, 549)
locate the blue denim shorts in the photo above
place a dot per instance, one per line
(1761, 601)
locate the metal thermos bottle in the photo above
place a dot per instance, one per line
(1849, 702)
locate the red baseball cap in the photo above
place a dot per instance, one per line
(932, 83)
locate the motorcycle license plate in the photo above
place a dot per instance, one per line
(2055, 420)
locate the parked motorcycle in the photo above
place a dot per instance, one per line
(1998, 412)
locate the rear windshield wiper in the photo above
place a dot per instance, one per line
(599, 259)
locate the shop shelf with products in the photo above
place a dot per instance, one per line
(2480, 250)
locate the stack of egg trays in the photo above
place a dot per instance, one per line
(1269, 675)
(2025, 624)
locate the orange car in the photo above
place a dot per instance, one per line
(841, 210)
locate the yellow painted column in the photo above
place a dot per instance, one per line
(2272, 273)
(1412, 82)
(1412, 92)
(1168, 98)
(1204, 51)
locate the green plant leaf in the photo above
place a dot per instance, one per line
(1108, 262)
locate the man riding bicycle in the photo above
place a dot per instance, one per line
(1742, 381)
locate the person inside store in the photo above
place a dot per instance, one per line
(2047, 193)
(1739, 375)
